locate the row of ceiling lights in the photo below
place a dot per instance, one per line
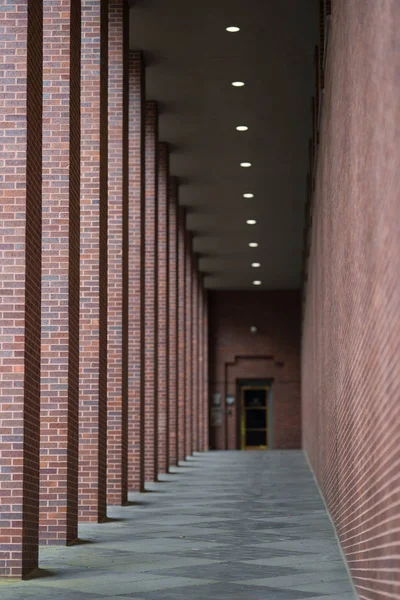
(234, 29)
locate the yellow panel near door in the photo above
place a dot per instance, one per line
(254, 418)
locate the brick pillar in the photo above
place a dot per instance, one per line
(162, 308)
(93, 266)
(201, 362)
(181, 333)
(195, 358)
(173, 322)
(189, 345)
(136, 273)
(118, 247)
(60, 272)
(206, 372)
(20, 265)
(151, 337)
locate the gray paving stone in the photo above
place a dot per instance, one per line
(295, 580)
(226, 591)
(231, 571)
(225, 525)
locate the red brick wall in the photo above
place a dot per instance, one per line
(274, 352)
(206, 355)
(188, 345)
(173, 321)
(136, 273)
(60, 273)
(106, 306)
(351, 367)
(195, 358)
(181, 334)
(118, 244)
(151, 294)
(162, 307)
(200, 308)
(93, 264)
(20, 263)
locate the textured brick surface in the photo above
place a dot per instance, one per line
(78, 363)
(188, 344)
(200, 308)
(173, 321)
(118, 247)
(151, 292)
(195, 356)
(200, 370)
(351, 368)
(93, 265)
(206, 371)
(20, 264)
(181, 333)
(274, 352)
(136, 273)
(162, 308)
(60, 273)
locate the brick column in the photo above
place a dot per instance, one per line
(189, 345)
(118, 246)
(162, 307)
(173, 322)
(201, 362)
(136, 273)
(195, 358)
(20, 265)
(206, 372)
(151, 336)
(93, 266)
(60, 272)
(181, 333)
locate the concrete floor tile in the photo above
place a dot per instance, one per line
(226, 526)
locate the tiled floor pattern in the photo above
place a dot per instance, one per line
(223, 526)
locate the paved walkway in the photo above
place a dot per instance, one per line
(224, 526)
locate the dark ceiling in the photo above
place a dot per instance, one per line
(191, 62)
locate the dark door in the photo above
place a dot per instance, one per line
(254, 417)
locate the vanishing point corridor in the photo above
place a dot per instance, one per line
(222, 525)
(200, 299)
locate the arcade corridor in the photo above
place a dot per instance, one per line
(199, 299)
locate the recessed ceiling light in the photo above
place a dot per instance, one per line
(242, 128)
(257, 282)
(251, 221)
(253, 244)
(245, 164)
(248, 195)
(238, 83)
(255, 265)
(233, 29)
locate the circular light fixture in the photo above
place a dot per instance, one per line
(251, 221)
(255, 265)
(248, 195)
(253, 329)
(232, 29)
(238, 83)
(245, 164)
(257, 282)
(253, 245)
(242, 128)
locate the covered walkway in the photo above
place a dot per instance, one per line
(226, 525)
(199, 251)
